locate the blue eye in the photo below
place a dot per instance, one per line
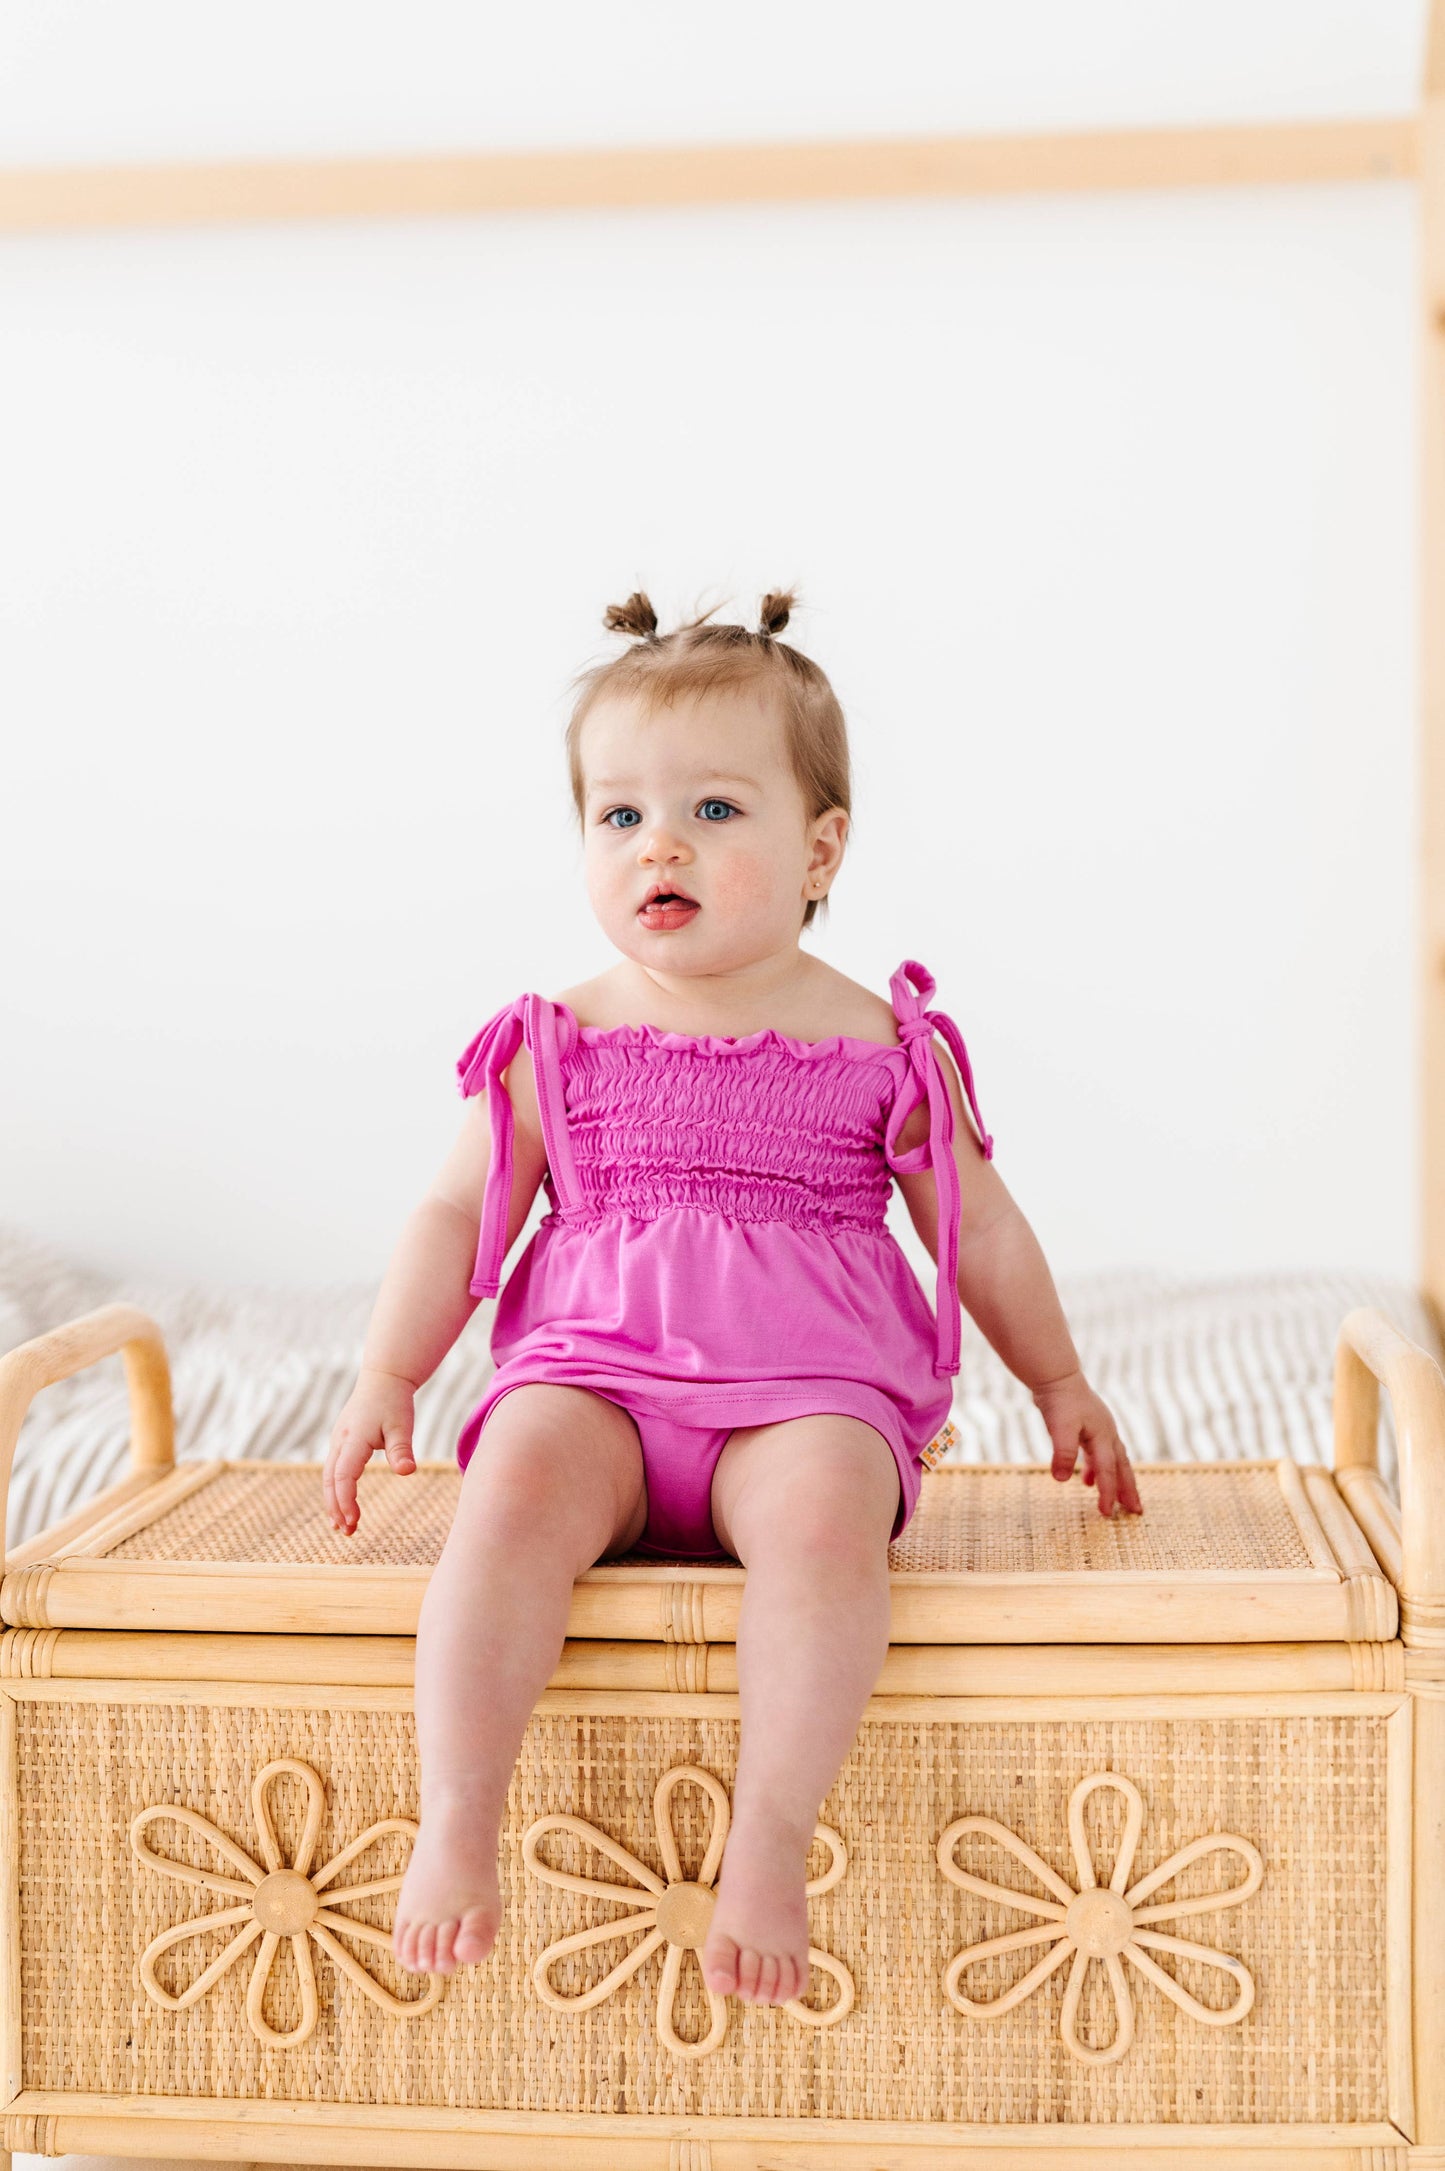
(628, 817)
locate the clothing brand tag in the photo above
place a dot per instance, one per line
(939, 1445)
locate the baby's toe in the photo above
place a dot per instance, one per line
(476, 1934)
(445, 1958)
(403, 1939)
(720, 1969)
(426, 1948)
(768, 1977)
(749, 1965)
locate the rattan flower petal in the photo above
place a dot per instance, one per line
(674, 1911)
(279, 1900)
(1103, 1923)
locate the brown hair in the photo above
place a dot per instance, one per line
(696, 660)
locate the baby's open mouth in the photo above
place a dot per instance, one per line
(671, 908)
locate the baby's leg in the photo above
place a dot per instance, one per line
(807, 1505)
(555, 1482)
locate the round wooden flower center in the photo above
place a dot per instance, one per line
(684, 1914)
(1100, 1921)
(285, 1902)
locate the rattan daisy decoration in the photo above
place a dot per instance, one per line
(1101, 1922)
(675, 1911)
(280, 1900)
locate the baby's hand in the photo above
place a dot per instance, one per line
(1079, 1422)
(379, 1413)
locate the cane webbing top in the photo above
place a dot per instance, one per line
(1223, 1552)
(989, 1520)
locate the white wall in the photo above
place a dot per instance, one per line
(160, 79)
(1102, 510)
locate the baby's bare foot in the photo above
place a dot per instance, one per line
(757, 1943)
(449, 1906)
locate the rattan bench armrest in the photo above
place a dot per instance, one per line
(1369, 1354)
(70, 1349)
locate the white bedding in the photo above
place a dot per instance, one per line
(1195, 1368)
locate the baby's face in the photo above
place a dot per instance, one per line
(699, 798)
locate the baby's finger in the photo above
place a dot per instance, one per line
(328, 1476)
(1108, 1452)
(351, 1461)
(396, 1438)
(344, 1512)
(1128, 1483)
(1066, 1451)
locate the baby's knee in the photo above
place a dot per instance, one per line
(851, 1533)
(547, 1466)
(822, 1486)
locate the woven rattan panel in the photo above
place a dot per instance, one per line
(1308, 1792)
(983, 1521)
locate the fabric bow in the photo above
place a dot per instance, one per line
(916, 1028)
(481, 1066)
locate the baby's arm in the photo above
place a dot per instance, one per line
(425, 1297)
(1005, 1285)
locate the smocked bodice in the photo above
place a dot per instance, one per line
(758, 1134)
(643, 1123)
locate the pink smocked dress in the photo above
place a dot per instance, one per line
(717, 1253)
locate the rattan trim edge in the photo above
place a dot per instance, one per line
(54, 1539)
(1368, 1499)
(1270, 1606)
(1022, 1670)
(10, 2005)
(1369, 1593)
(126, 1517)
(28, 1653)
(1399, 1915)
(1291, 1485)
(662, 1703)
(349, 2121)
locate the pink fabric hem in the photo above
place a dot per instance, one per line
(726, 1044)
(753, 1404)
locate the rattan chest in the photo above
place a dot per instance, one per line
(1141, 1846)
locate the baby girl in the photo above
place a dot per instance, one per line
(712, 1347)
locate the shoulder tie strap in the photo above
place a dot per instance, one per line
(916, 1027)
(537, 1021)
